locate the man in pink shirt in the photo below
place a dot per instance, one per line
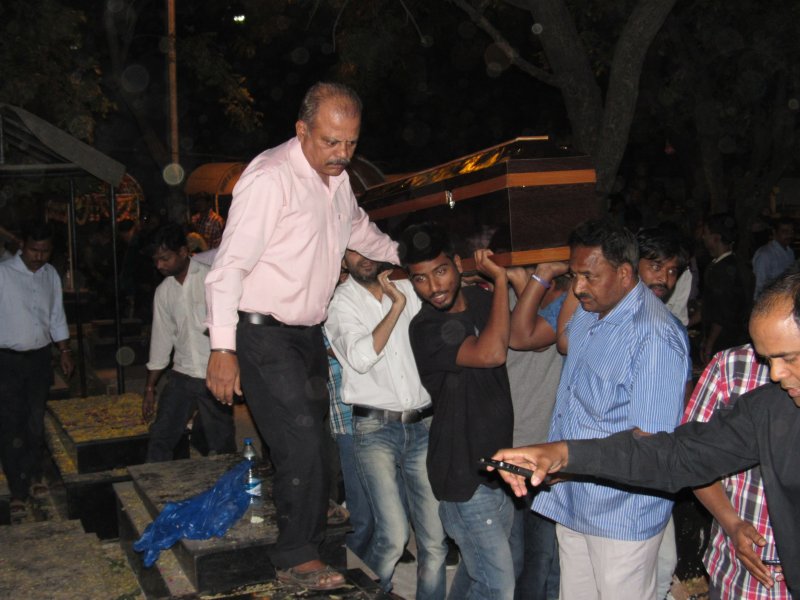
(292, 217)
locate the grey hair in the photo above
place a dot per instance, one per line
(349, 102)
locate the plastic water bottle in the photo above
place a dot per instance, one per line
(253, 481)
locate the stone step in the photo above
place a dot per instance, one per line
(57, 559)
(223, 574)
(82, 440)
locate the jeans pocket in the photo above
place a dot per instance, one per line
(366, 425)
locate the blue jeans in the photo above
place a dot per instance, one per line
(356, 497)
(481, 527)
(391, 459)
(535, 551)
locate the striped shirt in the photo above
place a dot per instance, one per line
(623, 371)
(730, 374)
(341, 414)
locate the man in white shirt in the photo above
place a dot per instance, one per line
(179, 313)
(31, 317)
(367, 326)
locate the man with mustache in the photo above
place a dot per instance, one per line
(367, 326)
(626, 367)
(31, 317)
(763, 428)
(661, 261)
(292, 217)
(179, 314)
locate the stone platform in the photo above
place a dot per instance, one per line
(240, 558)
(57, 560)
(92, 441)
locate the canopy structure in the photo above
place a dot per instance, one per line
(31, 147)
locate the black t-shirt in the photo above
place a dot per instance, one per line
(473, 416)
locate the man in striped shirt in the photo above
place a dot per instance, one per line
(737, 502)
(626, 367)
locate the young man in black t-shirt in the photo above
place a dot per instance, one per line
(460, 341)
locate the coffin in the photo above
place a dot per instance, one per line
(520, 198)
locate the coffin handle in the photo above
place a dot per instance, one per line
(448, 196)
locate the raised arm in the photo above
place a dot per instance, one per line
(529, 331)
(490, 348)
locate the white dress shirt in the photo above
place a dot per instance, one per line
(179, 314)
(388, 380)
(31, 306)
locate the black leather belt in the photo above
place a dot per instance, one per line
(21, 352)
(404, 416)
(268, 320)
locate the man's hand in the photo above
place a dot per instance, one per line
(397, 297)
(66, 364)
(222, 376)
(745, 539)
(148, 404)
(487, 266)
(550, 270)
(541, 459)
(518, 277)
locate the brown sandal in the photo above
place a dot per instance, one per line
(313, 580)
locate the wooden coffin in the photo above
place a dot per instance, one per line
(520, 198)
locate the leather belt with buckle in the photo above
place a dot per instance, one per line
(268, 320)
(404, 416)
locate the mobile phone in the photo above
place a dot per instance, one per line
(504, 466)
(771, 562)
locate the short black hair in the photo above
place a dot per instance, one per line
(781, 221)
(424, 241)
(171, 236)
(723, 224)
(786, 287)
(36, 231)
(617, 243)
(657, 243)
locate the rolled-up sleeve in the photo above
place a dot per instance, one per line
(350, 338)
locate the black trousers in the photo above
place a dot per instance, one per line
(179, 399)
(283, 376)
(25, 380)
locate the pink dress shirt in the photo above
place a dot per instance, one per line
(282, 248)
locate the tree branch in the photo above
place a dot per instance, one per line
(503, 44)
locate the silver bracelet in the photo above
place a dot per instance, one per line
(224, 351)
(545, 284)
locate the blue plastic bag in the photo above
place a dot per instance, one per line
(200, 517)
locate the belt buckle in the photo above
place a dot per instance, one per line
(408, 417)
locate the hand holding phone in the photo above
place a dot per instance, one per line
(504, 466)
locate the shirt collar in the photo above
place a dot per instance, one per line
(721, 256)
(20, 266)
(625, 307)
(302, 168)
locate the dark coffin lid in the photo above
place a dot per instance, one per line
(548, 189)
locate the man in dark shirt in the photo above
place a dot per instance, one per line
(762, 428)
(460, 342)
(725, 299)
